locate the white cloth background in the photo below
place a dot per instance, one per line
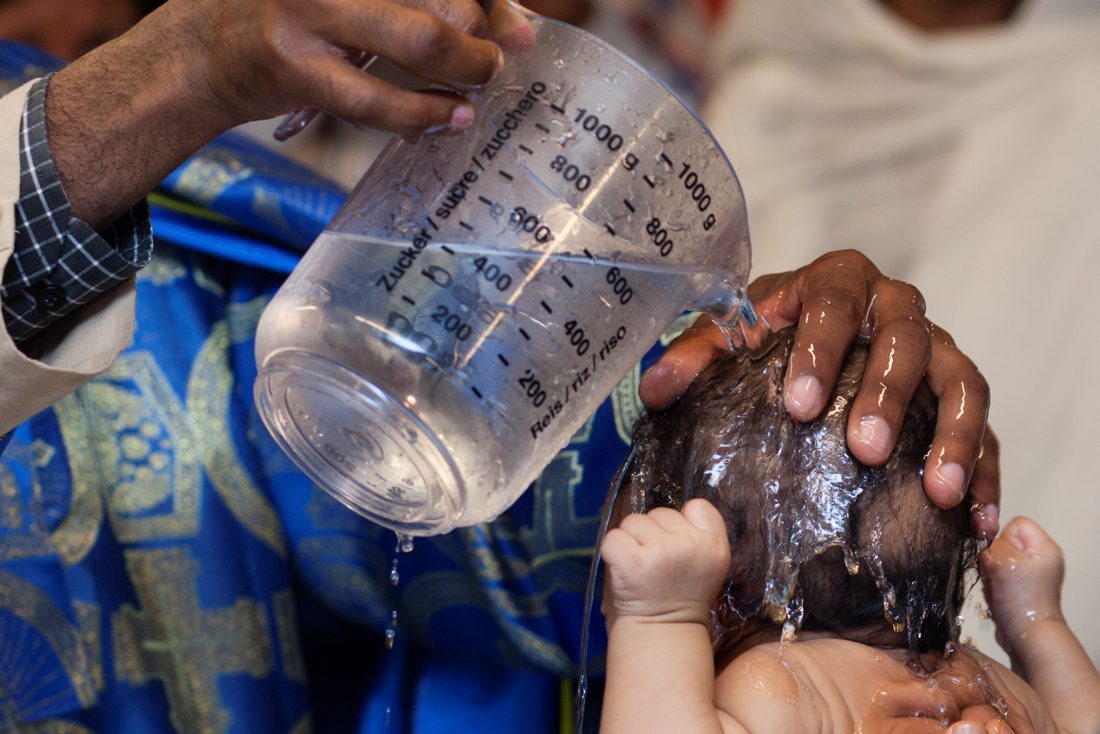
(967, 163)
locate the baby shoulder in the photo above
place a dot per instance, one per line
(769, 691)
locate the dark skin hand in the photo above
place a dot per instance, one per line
(123, 116)
(834, 300)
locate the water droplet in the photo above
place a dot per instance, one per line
(395, 577)
(391, 631)
(789, 634)
(850, 561)
(405, 543)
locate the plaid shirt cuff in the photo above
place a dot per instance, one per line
(59, 262)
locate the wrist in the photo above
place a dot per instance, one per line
(120, 118)
(1021, 626)
(1029, 643)
(683, 617)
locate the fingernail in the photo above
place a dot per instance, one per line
(992, 520)
(512, 31)
(952, 477)
(874, 434)
(462, 117)
(967, 728)
(804, 395)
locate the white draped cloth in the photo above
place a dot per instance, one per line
(968, 163)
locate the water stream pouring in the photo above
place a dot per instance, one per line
(478, 296)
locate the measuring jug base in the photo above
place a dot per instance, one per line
(360, 444)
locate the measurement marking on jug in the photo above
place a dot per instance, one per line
(649, 181)
(504, 360)
(476, 391)
(629, 205)
(557, 108)
(486, 202)
(465, 226)
(567, 281)
(546, 306)
(666, 159)
(534, 390)
(447, 250)
(524, 333)
(506, 175)
(525, 149)
(619, 285)
(610, 229)
(602, 131)
(408, 300)
(405, 260)
(588, 254)
(542, 127)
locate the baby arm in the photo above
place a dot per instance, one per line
(664, 572)
(1023, 571)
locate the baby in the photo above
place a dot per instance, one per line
(837, 610)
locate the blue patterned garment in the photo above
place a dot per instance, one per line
(165, 568)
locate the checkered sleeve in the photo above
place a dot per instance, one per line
(59, 262)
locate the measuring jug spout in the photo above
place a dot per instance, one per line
(478, 296)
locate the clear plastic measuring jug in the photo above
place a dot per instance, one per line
(478, 296)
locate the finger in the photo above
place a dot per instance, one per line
(987, 715)
(619, 547)
(363, 100)
(423, 44)
(669, 520)
(467, 16)
(960, 426)
(833, 292)
(684, 359)
(985, 488)
(900, 352)
(967, 727)
(644, 529)
(703, 515)
(998, 552)
(914, 699)
(1026, 535)
(776, 300)
(510, 27)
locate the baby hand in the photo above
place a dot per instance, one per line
(667, 566)
(1022, 571)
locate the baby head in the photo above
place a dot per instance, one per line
(819, 540)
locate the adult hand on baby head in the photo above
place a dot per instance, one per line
(666, 566)
(834, 300)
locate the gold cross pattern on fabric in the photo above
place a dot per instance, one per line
(174, 640)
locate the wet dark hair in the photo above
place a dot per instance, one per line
(819, 539)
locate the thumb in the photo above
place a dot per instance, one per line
(1024, 534)
(705, 516)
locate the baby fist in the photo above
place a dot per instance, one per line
(1023, 571)
(666, 565)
